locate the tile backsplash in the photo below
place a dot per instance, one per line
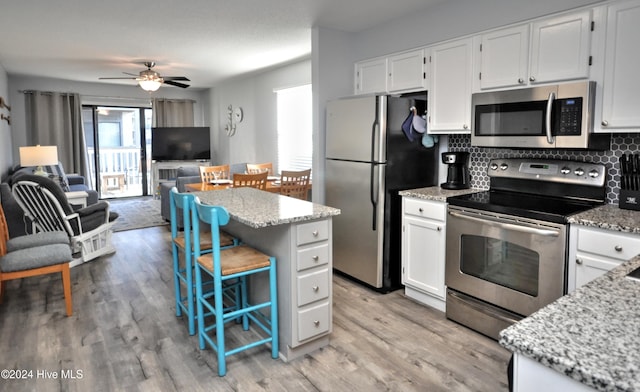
(621, 143)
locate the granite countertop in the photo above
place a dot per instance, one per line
(257, 209)
(436, 193)
(609, 217)
(591, 335)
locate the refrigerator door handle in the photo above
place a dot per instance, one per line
(373, 194)
(374, 197)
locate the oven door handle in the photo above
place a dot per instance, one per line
(508, 226)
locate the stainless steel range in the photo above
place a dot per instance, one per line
(506, 252)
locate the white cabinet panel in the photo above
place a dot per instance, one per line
(560, 48)
(407, 71)
(504, 56)
(423, 247)
(549, 50)
(621, 83)
(594, 251)
(371, 76)
(450, 87)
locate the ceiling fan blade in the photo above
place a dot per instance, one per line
(171, 82)
(183, 78)
(119, 78)
(129, 73)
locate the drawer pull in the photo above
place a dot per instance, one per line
(420, 210)
(579, 261)
(316, 323)
(315, 288)
(315, 233)
(618, 248)
(315, 258)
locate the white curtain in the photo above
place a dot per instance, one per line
(55, 119)
(172, 112)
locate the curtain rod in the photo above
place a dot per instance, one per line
(43, 92)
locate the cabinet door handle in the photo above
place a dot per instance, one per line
(315, 258)
(605, 123)
(316, 322)
(532, 78)
(315, 233)
(420, 210)
(465, 126)
(521, 81)
(315, 288)
(579, 261)
(618, 248)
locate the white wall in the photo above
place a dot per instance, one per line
(255, 136)
(93, 93)
(6, 154)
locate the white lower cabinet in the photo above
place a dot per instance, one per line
(312, 312)
(423, 247)
(594, 251)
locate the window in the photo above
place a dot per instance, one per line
(294, 123)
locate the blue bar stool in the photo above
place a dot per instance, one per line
(183, 243)
(224, 265)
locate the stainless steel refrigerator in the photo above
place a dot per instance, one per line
(369, 159)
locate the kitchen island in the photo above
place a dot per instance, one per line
(587, 340)
(299, 234)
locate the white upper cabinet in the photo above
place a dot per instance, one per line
(371, 76)
(560, 48)
(450, 87)
(407, 71)
(504, 58)
(549, 50)
(621, 86)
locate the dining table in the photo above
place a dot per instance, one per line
(273, 185)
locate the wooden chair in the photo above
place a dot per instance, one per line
(181, 205)
(223, 265)
(258, 181)
(209, 173)
(295, 183)
(33, 255)
(254, 168)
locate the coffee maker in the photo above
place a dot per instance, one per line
(458, 176)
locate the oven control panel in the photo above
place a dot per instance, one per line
(570, 172)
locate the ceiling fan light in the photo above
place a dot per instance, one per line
(149, 85)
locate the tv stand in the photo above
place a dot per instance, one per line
(163, 171)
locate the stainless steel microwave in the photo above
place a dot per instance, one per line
(553, 116)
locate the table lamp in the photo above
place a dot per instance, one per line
(39, 156)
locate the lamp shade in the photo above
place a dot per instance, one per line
(38, 155)
(149, 85)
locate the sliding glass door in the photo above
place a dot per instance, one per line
(119, 148)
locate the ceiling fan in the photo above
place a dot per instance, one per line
(150, 80)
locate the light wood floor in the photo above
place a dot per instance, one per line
(124, 336)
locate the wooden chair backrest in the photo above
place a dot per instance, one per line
(254, 168)
(4, 233)
(295, 183)
(207, 173)
(258, 181)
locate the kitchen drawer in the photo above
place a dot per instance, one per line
(425, 208)
(312, 232)
(313, 287)
(314, 321)
(615, 245)
(313, 256)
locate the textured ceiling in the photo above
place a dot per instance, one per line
(206, 40)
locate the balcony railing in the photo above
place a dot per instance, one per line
(120, 171)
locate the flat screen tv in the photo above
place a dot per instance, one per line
(180, 143)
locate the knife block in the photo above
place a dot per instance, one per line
(629, 200)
